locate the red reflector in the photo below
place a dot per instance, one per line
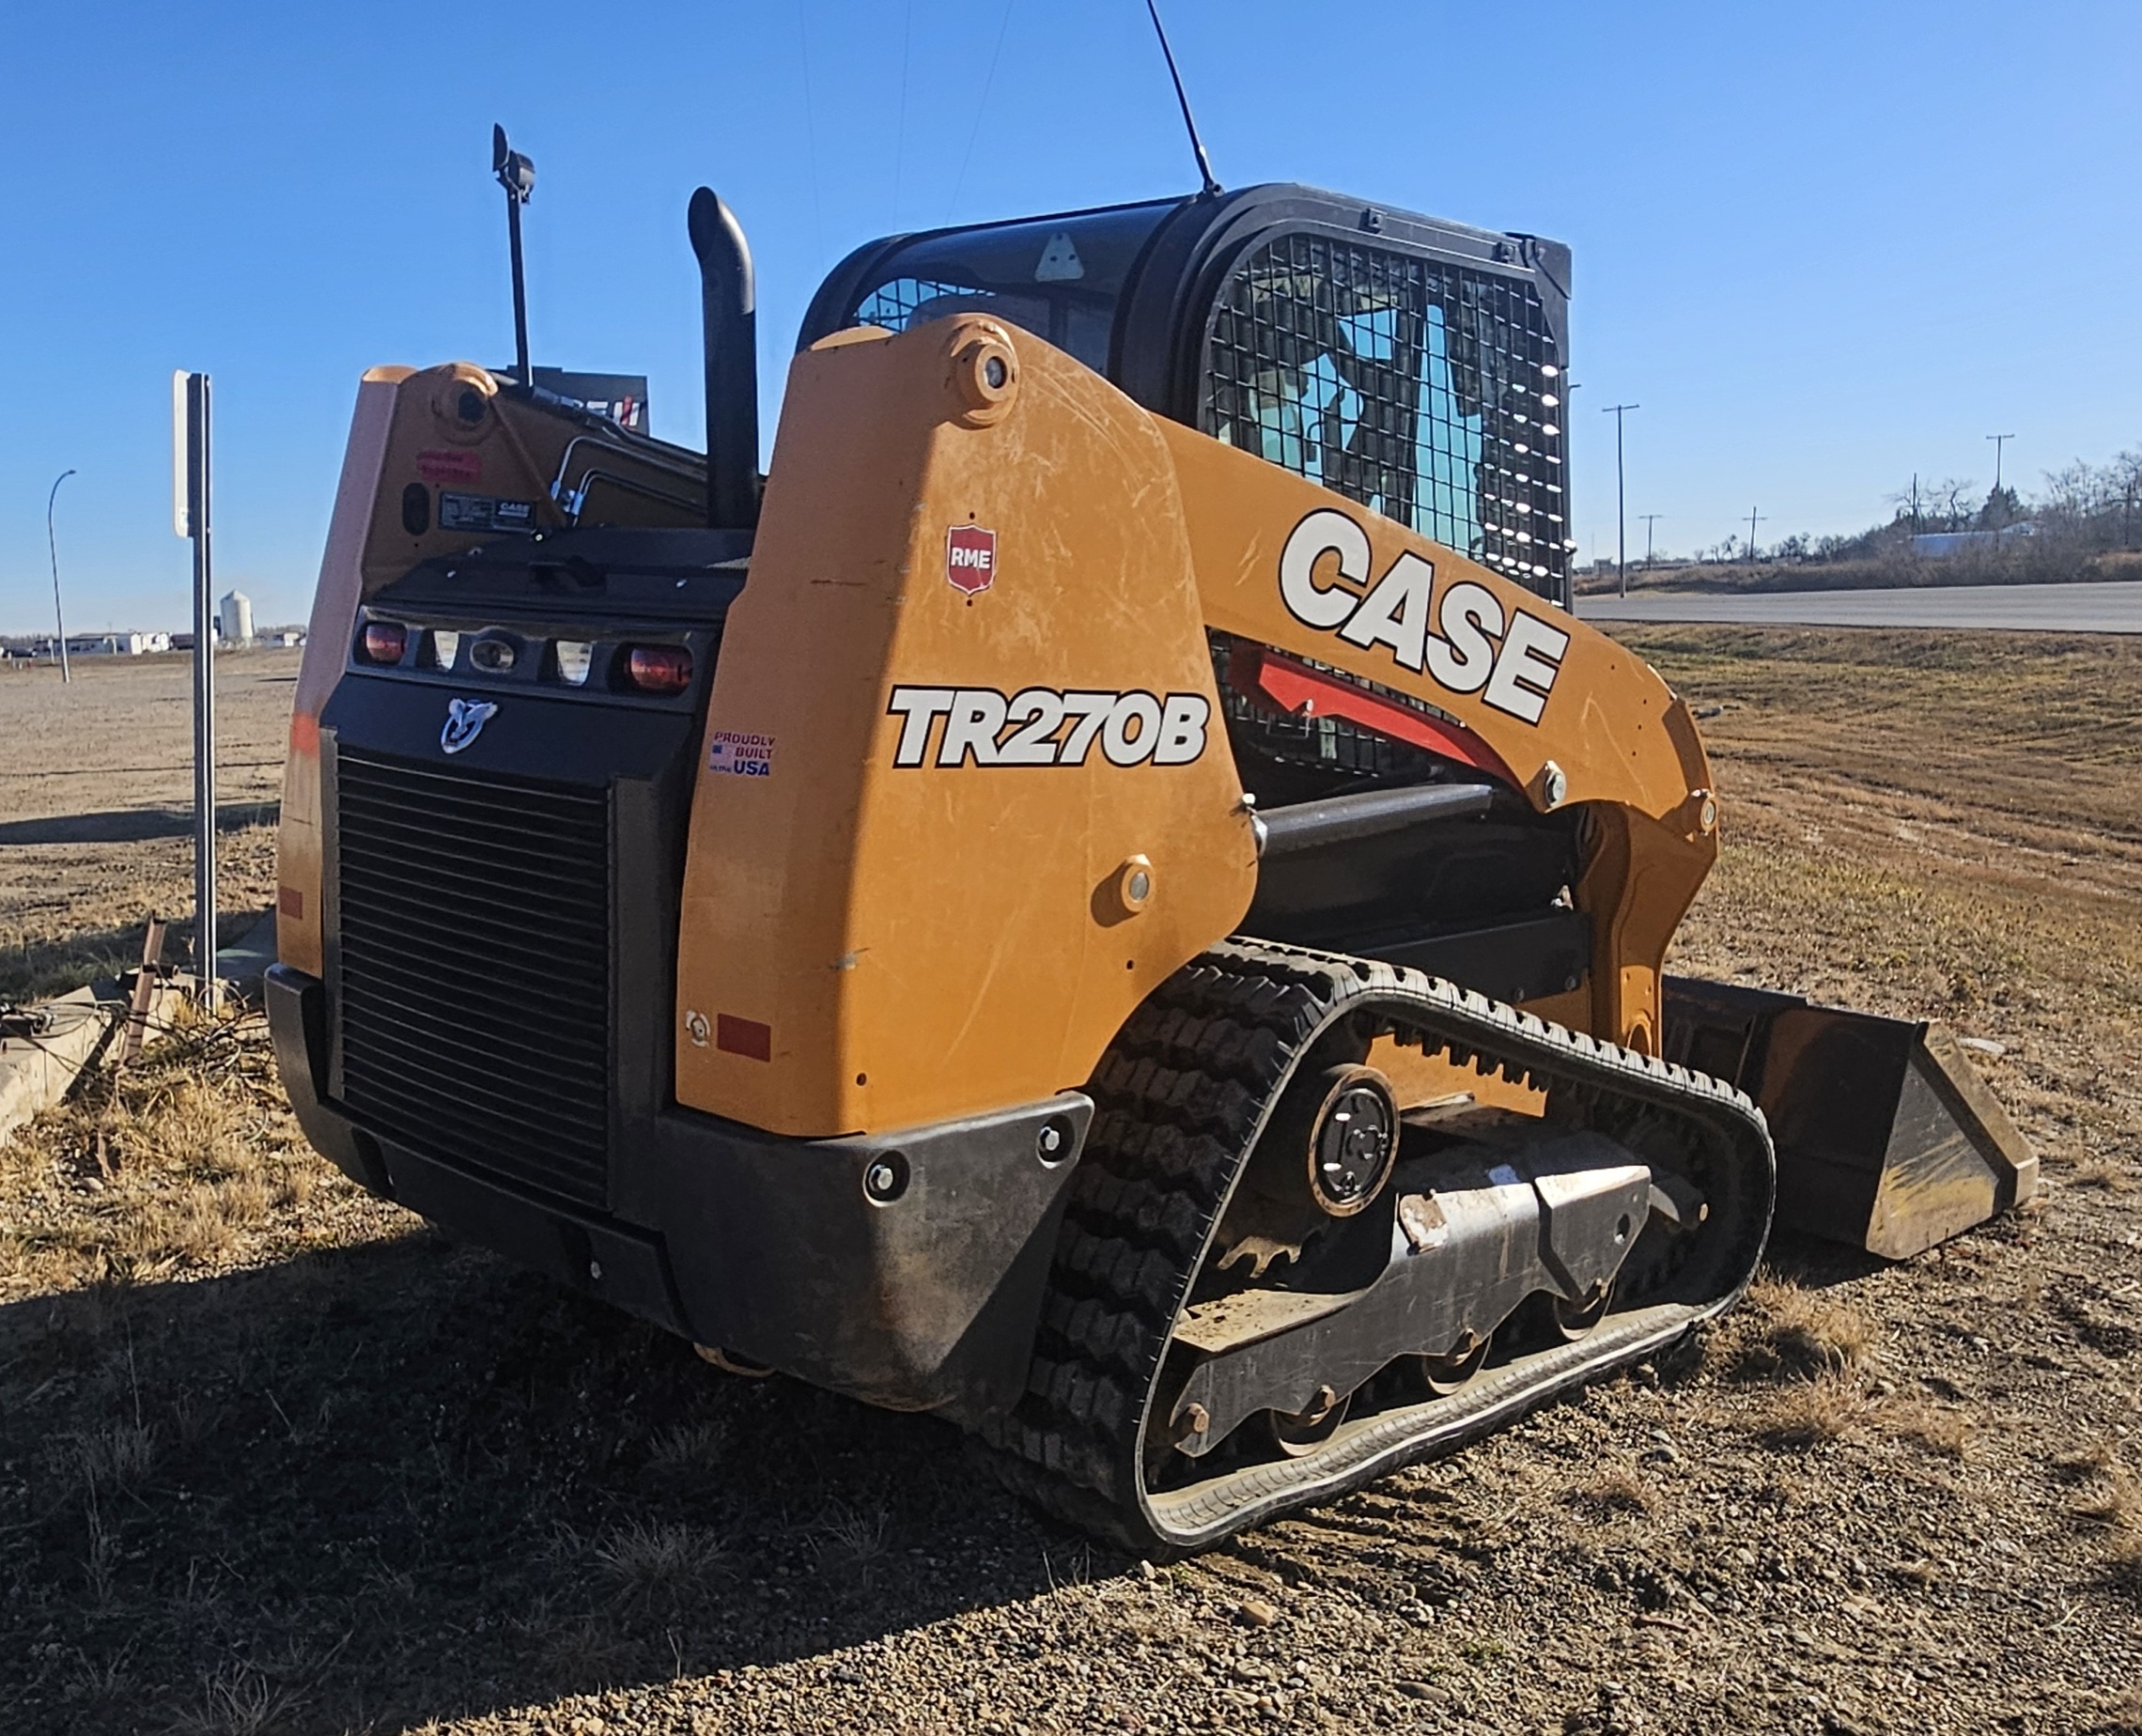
(290, 901)
(383, 641)
(743, 1036)
(658, 669)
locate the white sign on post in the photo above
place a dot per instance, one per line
(181, 457)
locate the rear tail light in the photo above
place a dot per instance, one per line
(445, 647)
(382, 641)
(658, 669)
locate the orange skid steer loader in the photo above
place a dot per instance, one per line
(1106, 896)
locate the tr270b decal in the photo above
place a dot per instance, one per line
(1040, 726)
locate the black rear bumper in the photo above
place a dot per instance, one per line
(787, 1252)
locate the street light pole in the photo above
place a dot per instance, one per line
(1620, 497)
(52, 543)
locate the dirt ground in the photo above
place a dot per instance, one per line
(275, 1457)
(97, 808)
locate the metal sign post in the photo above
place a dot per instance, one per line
(190, 519)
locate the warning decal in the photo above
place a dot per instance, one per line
(449, 466)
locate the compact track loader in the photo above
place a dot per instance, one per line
(1106, 897)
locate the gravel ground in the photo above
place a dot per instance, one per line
(275, 1457)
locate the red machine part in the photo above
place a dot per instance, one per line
(1296, 690)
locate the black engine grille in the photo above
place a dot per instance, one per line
(474, 970)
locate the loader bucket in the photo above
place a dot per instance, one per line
(1886, 1136)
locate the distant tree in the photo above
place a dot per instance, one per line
(2003, 508)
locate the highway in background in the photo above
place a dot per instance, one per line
(2109, 607)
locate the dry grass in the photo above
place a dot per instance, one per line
(2113, 1502)
(238, 1702)
(2124, 1714)
(1617, 1492)
(851, 1538)
(2101, 1458)
(689, 1448)
(1798, 1333)
(657, 1559)
(188, 1162)
(1811, 1413)
(107, 1459)
(1940, 1429)
(2100, 1173)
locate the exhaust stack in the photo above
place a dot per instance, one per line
(730, 308)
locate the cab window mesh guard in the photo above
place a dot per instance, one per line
(1429, 393)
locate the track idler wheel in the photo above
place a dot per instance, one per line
(1305, 1431)
(1548, 1319)
(1447, 1374)
(1331, 1145)
(1355, 1140)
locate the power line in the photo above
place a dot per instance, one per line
(810, 129)
(974, 133)
(900, 138)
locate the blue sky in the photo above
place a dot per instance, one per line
(1822, 245)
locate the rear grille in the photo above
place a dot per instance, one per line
(474, 970)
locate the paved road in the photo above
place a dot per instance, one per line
(2112, 608)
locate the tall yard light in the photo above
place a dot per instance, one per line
(52, 543)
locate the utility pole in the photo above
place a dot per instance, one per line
(1999, 440)
(1649, 518)
(1753, 517)
(1620, 497)
(51, 542)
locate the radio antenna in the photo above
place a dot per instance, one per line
(1189, 122)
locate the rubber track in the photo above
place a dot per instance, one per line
(1181, 1096)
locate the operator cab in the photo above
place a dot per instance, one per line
(1413, 365)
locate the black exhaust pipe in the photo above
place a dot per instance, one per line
(730, 307)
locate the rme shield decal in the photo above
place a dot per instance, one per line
(1461, 639)
(1040, 726)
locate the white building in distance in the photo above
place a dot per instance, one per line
(234, 619)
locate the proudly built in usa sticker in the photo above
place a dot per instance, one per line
(741, 755)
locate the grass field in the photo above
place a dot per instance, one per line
(273, 1456)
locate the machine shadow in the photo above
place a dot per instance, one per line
(135, 824)
(404, 1481)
